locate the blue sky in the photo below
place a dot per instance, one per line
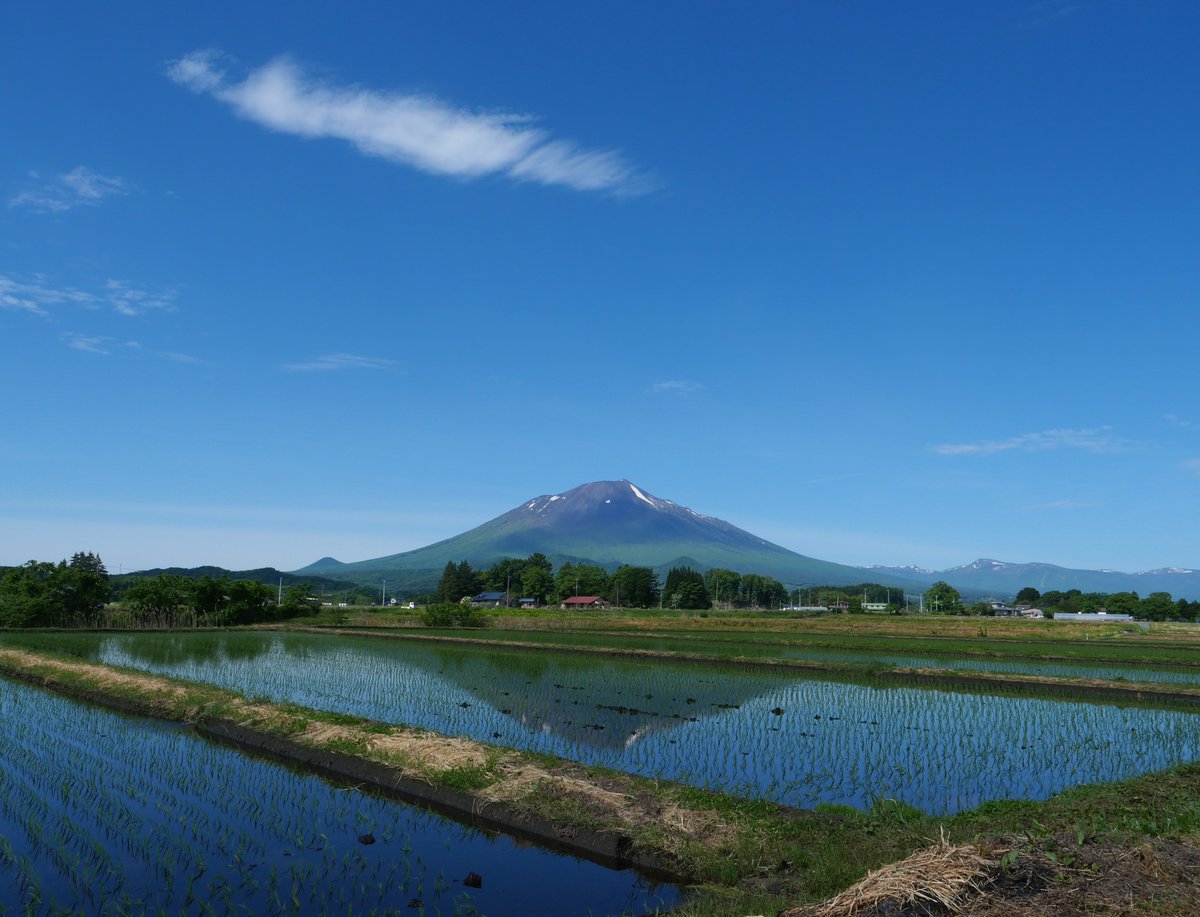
(884, 283)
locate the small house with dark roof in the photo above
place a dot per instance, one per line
(584, 601)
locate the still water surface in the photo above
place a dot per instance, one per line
(101, 813)
(795, 740)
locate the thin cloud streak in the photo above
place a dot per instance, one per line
(122, 297)
(1192, 465)
(676, 386)
(36, 296)
(180, 358)
(1090, 440)
(81, 187)
(127, 299)
(413, 130)
(86, 343)
(1064, 504)
(334, 361)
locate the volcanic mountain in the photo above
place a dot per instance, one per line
(608, 523)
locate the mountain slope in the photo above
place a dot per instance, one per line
(612, 523)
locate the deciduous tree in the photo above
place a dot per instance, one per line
(942, 597)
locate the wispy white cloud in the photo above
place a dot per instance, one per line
(87, 343)
(35, 295)
(104, 345)
(1096, 439)
(419, 131)
(81, 187)
(676, 386)
(1045, 12)
(180, 358)
(1176, 421)
(130, 300)
(1192, 465)
(338, 361)
(1064, 504)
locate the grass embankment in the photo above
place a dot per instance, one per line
(743, 856)
(1165, 643)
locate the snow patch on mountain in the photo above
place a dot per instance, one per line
(903, 568)
(641, 496)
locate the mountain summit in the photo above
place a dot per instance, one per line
(610, 523)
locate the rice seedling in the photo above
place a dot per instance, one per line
(106, 814)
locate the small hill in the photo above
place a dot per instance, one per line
(268, 575)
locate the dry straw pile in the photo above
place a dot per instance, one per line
(941, 876)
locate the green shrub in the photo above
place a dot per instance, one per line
(448, 615)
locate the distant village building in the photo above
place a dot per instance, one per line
(584, 601)
(840, 606)
(490, 600)
(874, 606)
(1090, 616)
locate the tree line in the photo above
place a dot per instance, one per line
(1157, 606)
(943, 598)
(74, 593)
(44, 594)
(534, 577)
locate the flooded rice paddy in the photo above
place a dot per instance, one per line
(101, 813)
(760, 649)
(761, 734)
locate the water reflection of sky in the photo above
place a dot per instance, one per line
(104, 813)
(704, 724)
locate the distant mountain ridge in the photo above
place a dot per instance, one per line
(1003, 579)
(609, 523)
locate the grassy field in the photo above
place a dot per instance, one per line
(768, 622)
